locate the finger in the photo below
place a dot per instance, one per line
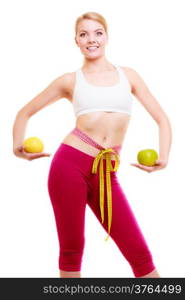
(31, 154)
(38, 156)
(149, 169)
(46, 154)
(143, 167)
(34, 157)
(138, 166)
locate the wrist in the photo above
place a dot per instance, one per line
(164, 160)
(15, 148)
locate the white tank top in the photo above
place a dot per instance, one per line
(90, 98)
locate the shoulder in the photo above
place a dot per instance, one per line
(66, 82)
(67, 79)
(129, 71)
(132, 76)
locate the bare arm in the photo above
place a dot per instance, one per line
(55, 91)
(143, 94)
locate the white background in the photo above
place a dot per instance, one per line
(37, 45)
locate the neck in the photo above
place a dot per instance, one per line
(100, 64)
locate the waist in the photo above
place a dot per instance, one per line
(80, 144)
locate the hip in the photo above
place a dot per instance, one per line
(74, 141)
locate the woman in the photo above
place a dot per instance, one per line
(101, 97)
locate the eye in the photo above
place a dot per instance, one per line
(99, 32)
(82, 34)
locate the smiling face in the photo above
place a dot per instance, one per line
(91, 38)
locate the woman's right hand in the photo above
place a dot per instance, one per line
(19, 152)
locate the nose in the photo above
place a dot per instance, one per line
(91, 39)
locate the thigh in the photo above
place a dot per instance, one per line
(68, 194)
(125, 230)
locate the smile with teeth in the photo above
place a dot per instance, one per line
(92, 48)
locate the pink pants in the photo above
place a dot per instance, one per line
(71, 186)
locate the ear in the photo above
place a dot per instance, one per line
(76, 41)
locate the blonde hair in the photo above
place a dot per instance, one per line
(91, 16)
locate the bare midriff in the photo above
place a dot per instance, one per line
(106, 128)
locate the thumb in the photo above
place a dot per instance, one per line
(158, 161)
(20, 148)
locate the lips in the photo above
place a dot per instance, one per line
(92, 47)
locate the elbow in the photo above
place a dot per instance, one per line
(24, 113)
(165, 122)
(163, 119)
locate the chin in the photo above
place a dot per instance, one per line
(93, 55)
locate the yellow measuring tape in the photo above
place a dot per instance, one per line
(109, 168)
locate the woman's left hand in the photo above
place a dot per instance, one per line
(160, 164)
